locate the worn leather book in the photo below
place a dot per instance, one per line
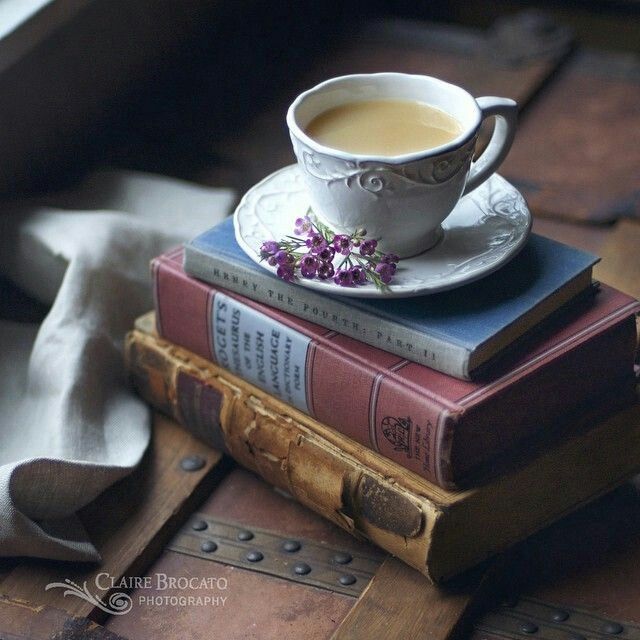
(446, 430)
(438, 532)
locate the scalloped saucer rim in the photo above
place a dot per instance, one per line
(486, 229)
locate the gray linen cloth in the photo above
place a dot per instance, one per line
(69, 426)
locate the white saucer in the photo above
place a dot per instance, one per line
(485, 230)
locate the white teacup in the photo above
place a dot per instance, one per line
(401, 200)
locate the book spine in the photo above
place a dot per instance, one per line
(337, 381)
(260, 436)
(331, 313)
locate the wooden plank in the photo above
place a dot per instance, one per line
(401, 603)
(620, 265)
(256, 605)
(20, 620)
(130, 523)
(577, 150)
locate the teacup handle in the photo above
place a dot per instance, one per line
(506, 114)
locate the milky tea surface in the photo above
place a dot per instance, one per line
(383, 127)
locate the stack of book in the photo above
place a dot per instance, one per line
(444, 428)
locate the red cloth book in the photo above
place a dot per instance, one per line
(444, 429)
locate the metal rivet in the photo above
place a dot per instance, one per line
(208, 546)
(575, 636)
(347, 579)
(254, 556)
(245, 535)
(559, 615)
(192, 463)
(342, 557)
(612, 628)
(199, 525)
(291, 546)
(301, 568)
(528, 627)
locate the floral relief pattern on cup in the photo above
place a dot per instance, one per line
(376, 177)
(500, 206)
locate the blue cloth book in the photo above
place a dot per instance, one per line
(457, 332)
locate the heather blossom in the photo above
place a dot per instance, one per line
(269, 248)
(308, 266)
(384, 271)
(359, 274)
(343, 277)
(368, 247)
(283, 257)
(316, 242)
(285, 272)
(303, 225)
(327, 254)
(325, 271)
(342, 244)
(350, 260)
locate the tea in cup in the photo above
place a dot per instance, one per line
(383, 127)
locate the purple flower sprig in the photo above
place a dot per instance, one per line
(316, 251)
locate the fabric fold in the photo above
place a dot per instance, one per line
(69, 426)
